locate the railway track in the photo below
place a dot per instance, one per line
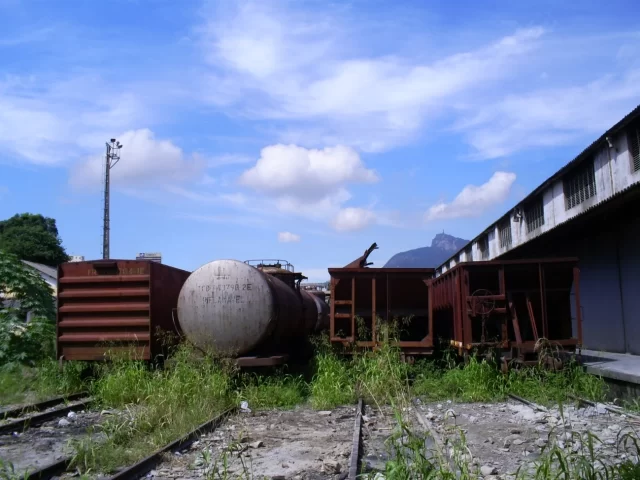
(33, 437)
(233, 434)
(347, 441)
(27, 417)
(41, 406)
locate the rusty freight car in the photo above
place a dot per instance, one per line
(364, 299)
(114, 306)
(509, 305)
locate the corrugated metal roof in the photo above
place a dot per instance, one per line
(629, 118)
(50, 271)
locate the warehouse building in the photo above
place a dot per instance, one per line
(590, 209)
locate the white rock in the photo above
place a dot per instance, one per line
(488, 470)
(72, 415)
(541, 442)
(324, 413)
(64, 422)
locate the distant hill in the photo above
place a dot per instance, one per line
(442, 247)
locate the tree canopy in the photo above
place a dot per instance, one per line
(32, 237)
(22, 290)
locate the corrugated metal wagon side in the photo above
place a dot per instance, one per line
(511, 305)
(117, 307)
(364, 300)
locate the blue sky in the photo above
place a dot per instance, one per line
(302, 130)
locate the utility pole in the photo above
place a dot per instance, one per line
(113, 156)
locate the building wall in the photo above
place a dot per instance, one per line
(629, 255)
(606, 244)
(613, 173)
(602, 316)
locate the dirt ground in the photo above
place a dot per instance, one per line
(300, 444)
(502, 437)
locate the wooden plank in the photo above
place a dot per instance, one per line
(532, 319)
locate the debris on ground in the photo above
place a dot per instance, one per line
(301, 444)
(503, 437)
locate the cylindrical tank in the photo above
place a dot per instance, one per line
(316, 311)
(233, 308)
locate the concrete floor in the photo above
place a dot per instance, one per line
(616, 366)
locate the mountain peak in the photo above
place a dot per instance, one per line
(442, 247)
(446, 242)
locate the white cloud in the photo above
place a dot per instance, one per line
(551, 117)
(280, 64)
(306, 173)
(353, 219)
(50, 122)
(143, 160)
(288, 237)
(474, 200)
(307, 182)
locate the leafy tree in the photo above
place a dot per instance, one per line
(22, 290)
(32, 237)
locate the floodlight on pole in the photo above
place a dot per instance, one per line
(111, 159)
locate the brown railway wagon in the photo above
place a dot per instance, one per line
(116, 306)
(509, 305)
(380, 294)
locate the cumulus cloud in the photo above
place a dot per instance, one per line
(353, 219)
(144, 160)
(288, 237)
(306, 173)
(307, 182)
(286, 65)
(474, 200)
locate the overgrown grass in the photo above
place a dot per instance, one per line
(479, 380)
(280, 391)
(162, 405)
(412, 459)
(21, 384)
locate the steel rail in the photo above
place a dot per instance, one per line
(533, 405)
(609, 408)
(40, 406)
(355, 445)
(439, 444)
(147, 464)
(27, 422)
(50, 471)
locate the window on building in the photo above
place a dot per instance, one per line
(633, 136)
(580, 185)
(534, 215)
(483, 246)
(468, 254)
(505, 233)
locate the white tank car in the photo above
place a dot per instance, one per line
(233, 308)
